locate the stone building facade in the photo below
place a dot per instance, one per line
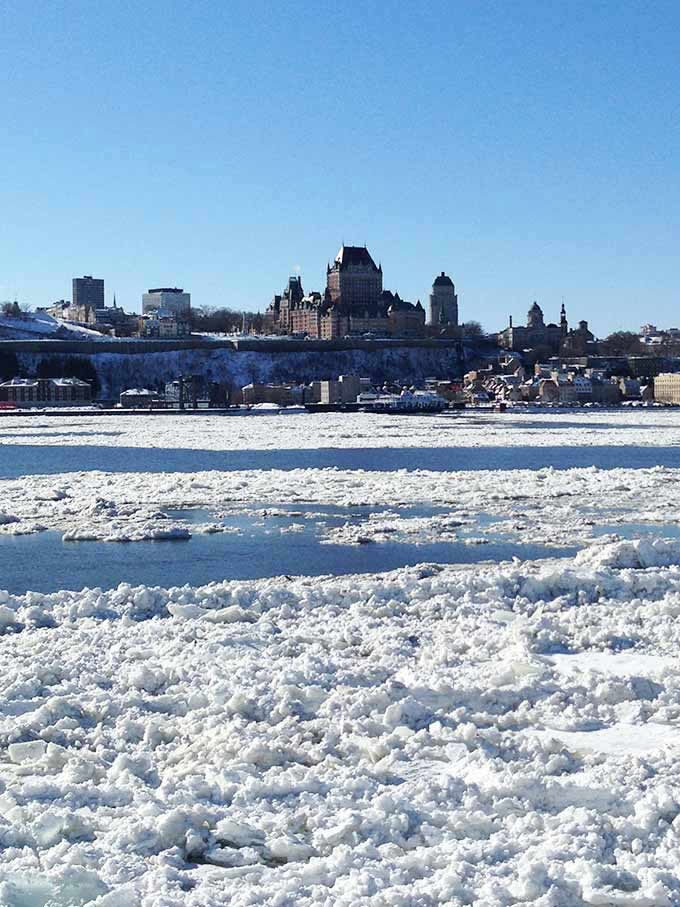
(353, 303)
(354, 281)
(578, 342)
(443, 302)
(44, 392)
(536, 333)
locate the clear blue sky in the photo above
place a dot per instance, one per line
(530, 149)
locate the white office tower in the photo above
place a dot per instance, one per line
(170, 300)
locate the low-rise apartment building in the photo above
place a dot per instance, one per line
(667, 388)
(39, 392)
(279, 394)
(139, 398)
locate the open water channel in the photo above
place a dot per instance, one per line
(255, 543)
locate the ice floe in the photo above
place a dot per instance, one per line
(495, 735)
(559, 506)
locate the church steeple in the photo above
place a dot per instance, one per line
(563, 320)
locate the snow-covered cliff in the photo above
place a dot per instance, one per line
(118, 371)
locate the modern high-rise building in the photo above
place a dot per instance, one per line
(172, 300)
(443, 302)
(88, 292)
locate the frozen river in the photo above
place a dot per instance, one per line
(349, 660)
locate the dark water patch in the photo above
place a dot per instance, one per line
(44, 563)
(26, 459)
(257, 515)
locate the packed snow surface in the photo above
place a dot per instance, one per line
(40, 324)
(413, 738)
(311, 431)
(496, 735)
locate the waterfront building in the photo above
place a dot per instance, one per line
(278, 394)
(139, 398)
(44, 392)
(667, 388)
(345, 390)
(443, 302)
(187, 392)
(630, 387)
(172, 300)
(605, 391)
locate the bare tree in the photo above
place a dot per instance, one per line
(472, 329)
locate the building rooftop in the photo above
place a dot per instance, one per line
(355, 255)
(442, 281)
(166, 290)
(31, 382)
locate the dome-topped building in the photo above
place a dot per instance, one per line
(535, 316)
(536, 333)
(443, 302)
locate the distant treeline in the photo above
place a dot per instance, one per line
(213, 320)
(50, 367)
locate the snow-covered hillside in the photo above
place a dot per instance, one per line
(35, 325)
(117, 372)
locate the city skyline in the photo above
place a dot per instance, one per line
(138, 307)
(530, 156)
